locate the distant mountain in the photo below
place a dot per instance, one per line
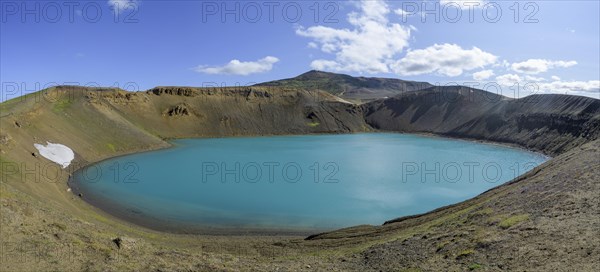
(349, 87)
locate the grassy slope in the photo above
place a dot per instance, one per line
(39, 218)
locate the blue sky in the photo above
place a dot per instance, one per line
(553, 46)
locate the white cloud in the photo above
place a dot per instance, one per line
(539, 85)
(413, 8)
(591, 86)
(444, 59)
(534, 79)
(369, 46)
(464, 4)
(504, 64)
(536, 66)
(236, 67)
(402, 12)
(533, 84)
(119, 6)
(483, 75)
(322, 64)
(508, 79)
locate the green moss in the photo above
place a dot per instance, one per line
(6, 194)
(59, 226)
(62, 104)
(441, 245)
(513, 220)
(111, 147)
(102, 249)
(465, 253)
(8, 104)
(474, 266)
(313, 124)
(485, 211)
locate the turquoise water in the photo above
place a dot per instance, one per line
(300, 182)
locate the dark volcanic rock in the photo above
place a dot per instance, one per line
(547, 123)
(180, 91)
(178, 110)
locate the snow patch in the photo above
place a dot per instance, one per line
(57, 153)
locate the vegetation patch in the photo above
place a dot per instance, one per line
(485, 211)
(62, 104)
(475, 266)
(513, 220)
(441, 245)
(59, 226)
(465, 253)
(313, 124)
(111, 147)
(6, 194)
